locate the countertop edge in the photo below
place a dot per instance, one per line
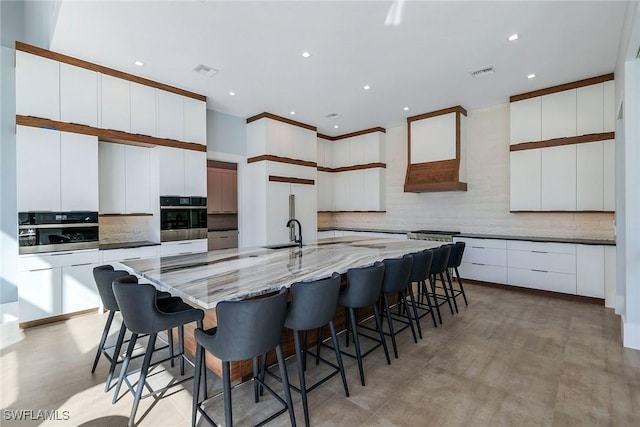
(126, 245)
(540, 239)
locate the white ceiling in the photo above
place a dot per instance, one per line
(423, 63)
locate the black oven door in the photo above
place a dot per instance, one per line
(174, 219)
(199, 218)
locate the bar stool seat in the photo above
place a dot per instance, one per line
(143, 315)
(246, 330)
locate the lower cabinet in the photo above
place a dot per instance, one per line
(56, 283)
(183, 247)
(222, 240)
(484, 260)
(114, 256)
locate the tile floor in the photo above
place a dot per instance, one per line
(509, 359)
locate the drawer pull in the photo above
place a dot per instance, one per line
(42, 269)
(185, 253)
(540, 252)
(477, 263)
(539, 271)
(478, 247)
(61, 253)
(131, 259)
(79, 265)
(185, 243)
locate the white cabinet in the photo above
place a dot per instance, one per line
(182, 172)
(525, 120)
(590, 109)
(278, 211)
(125, 183)
(484, 260)
(609, 108)
(78, 174)
(525, 180)
(558, 178)
(143, 105)
(56, 170)
(37, 169)
(78, 95)
(170, 115)
(39, 293)
(609, 175)
(183, 247)
(559, 114)
(356, 186)
(325, 191)
(340, 153)
(590, 266)
(374, 189)
(195, 121)
(37, 86)
(79, 290)
(434, 138)
(115, 104)
(542, 265)
(609, 276)
(341, 191)
(589, 176)
(128, 254)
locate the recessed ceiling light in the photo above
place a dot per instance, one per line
(366, 87)
(232, 93)
(293, 113)
(305, 54)
(336, 126)
(531, 76)
(406, 108)
(513, 37)
(139, 63)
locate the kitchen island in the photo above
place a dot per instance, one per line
(208, 278)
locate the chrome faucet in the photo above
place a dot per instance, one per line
(299, 240)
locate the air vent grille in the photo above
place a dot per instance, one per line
(481, 72)
(332, 116)
(205, 70)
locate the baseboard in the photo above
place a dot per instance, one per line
(559, 295)
(630, 334)
(54, 319)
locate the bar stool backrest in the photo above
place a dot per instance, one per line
(137, 303)
(421, 266)
(396, 274)
(363, 286)
(104, 275)
(440, 259)
(455, 257)
(248, 328)
(313, 304)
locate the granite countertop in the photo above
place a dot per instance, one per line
(126, 245)
(541, 239)
(205, 279)
(369, 230)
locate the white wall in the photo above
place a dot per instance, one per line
(226, 134)
(484, 208)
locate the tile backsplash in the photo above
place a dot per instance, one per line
(121, 229)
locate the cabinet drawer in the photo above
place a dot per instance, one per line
(483, 272)
(543, 261)
(480, 255)
(558, 248)
(482, 243)
(57, 259)
(114, 255)
(183, 247)
(543, 280)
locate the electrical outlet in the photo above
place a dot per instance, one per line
(571, 227)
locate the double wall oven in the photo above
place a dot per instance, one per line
(40, 232)
(183, 218)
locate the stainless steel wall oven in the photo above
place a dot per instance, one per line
(57, 231)
(183, 218)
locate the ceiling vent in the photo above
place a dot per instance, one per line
(332, 116)
(205, 70)
(484, 71)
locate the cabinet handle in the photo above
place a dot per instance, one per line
(131, 259)
(185, 253)
(223, 237)
(185, 243)
(61, 253)
(539, 271)
(477, 247)
(477, 263)
(78, 265)
(42, 269)
(540, 252)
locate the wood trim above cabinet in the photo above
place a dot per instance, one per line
(292, 180)
(222, 165)
(266, 115)
(108, 135)
(456, 109)
(272, 158)
(593, 137)
(353, 167)
(34, 50)
(352, 134)
(562, 87)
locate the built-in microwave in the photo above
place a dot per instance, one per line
(183, 218)
(40, 232)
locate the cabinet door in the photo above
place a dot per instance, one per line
(341, 191)
(38, 169)
(373, 183)
(111, 182)
(525, 180)
(306, 210)
(195, 121)
(341, 153)
(137, 179)
(79, 174)
(304, 144)
(559, 114)
(278, 212)
(590, 269)
(609, 175)
(321, 151)
(356, 181)
(559, 178)
(184, 247)
(39, 294)
(357, 148)
(610, 276)
(195, 173)
(171, 171)
(229, 191)
(609, 108)
(37, 86)
(589, 179)
(214, 190)
(590, 112)
(115, 103)
(143, 109)
(525, 120)
(78, 95)
(170, 115)
(79, 291)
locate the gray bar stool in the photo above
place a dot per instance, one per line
(455, 259)
(420, 270)
(142, 315)
(438, 267)
(363, 290)
(246, 329)
(104, 275)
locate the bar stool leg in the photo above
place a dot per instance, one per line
(453, 294)
(387, 312)
(285, 384)
(346, 319)
(116, 356)
(446, 292)
(143, 376)
(170, 339)
(256, 377)
(181, 349)
(376, 313)
(461, 287)
(226, 385)
(125, 366)
(303, 387)
(103, 340)
(435, 298)
(336, 347)
(318, 345)
(356, 341)
(304, 350)
(197, 371)
(415, 308)
(408, 314)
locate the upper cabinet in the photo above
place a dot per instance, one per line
(170, 115)
(268, 135)
(526, 120)
(195, 120)
(115, 103)
(143, 104)
(78, 95)
(222, 190)
(37, 86)
(182, 172)
(559, 115)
